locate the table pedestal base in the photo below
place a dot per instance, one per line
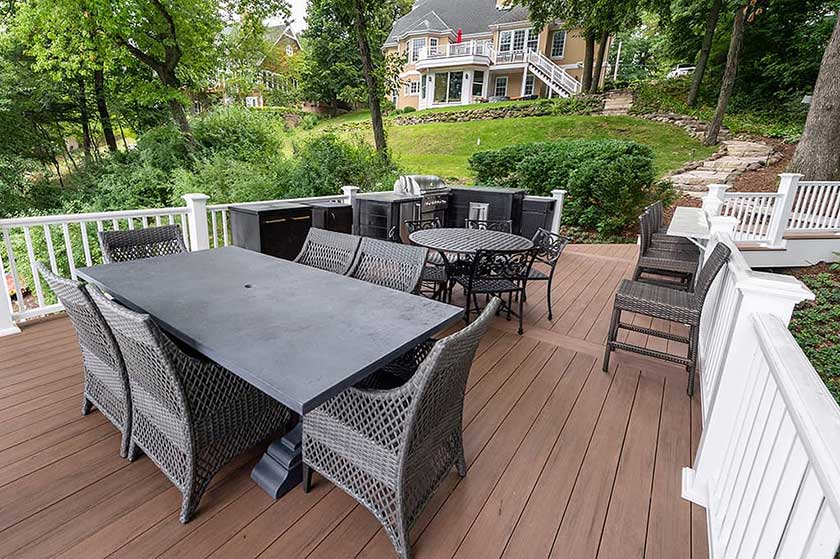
(280, 469)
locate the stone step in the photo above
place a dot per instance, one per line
(738, 148)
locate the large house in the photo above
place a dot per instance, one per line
(461, 51)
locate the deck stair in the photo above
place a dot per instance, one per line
(558, 80)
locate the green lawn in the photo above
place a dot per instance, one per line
(444, 148)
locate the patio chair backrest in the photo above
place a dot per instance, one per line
(713, 265)
(645, 232)
(656, 210)
(136, 244)
(154, 365)
(503, 225)
(423, 224)
(329, 250)
(549, 246)
(512, 265)
(387, 264)
(100, 351)
(436, 411)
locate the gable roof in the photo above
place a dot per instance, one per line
(274, 33)
(471, 16)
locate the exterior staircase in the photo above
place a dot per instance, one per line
(558, 80)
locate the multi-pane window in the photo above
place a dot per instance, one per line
(478, 83)
(519, 39)
(501, 86)
(448, 86)
(533, 39)
(433, 44)
(505, 40)
(411, 88)
(416, 46)
(289, 50)
(529, 85)
(558, 44)
(423, 86)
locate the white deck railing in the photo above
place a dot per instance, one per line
(454, 50)
(767, 468)
(765, 217)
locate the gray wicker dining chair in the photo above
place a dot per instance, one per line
(106, 383)
(136, 244)
(387, 264)
(669, 267)
(189, 416)
(659, 231)
(391, 449)
(328, 250)
(668, 304)
(503, 225)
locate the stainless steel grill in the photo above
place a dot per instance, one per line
(432, 189)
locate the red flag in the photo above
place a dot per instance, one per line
(460, 37)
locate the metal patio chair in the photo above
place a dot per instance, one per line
(496, 273)
(391, 449)
(434, 274)
(106, 382)
(667, 304)
(328, 250)
(549, 248)
(190, 416)
(389, 264)
(503, 225)
(136, 244)
(670, 267)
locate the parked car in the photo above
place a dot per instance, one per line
(680, 71)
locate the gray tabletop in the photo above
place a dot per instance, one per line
(299, 334)
(468, 241)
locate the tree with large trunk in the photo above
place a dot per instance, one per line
(588, 60)
(361, 26)
(705, 50)
(102, 108)
(817, 155)
(598, 67)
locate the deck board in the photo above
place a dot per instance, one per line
(563, 459)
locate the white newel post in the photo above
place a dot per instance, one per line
(713, 201)
(559, 196)
(788, 185)
(197, 211)
(350, 192)
(759, 293)
(7, 325)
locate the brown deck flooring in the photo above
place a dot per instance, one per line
(564, 461)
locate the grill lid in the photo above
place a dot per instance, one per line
(420, 185)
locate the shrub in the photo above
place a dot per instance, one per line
(409, 110)
(309, 121)
(607, 181)
(163, 148)
(227, 180)
(238, 132)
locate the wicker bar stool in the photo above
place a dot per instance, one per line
(388, 264)
(190, 416)
(136, 244)
(328, 250)
(391, 449)
(503, 225)
(671, 268)
(667, 304)
(549, 248)
(106, 382)
(659, 235)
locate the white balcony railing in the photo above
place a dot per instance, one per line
(454, 50)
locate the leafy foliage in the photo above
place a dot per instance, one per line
(607, 181)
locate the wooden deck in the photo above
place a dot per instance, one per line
(564, 461)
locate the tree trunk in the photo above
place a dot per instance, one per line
(588, 56)
(728, 83)
(122, 134)
(599, 62)
(102, 107)
(367, 70)
(85, 118)
(705, 50)
(817, 156)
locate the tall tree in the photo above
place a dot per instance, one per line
(817, 156)
(746, 11)
(705, 50)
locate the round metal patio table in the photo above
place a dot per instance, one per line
(468, 241)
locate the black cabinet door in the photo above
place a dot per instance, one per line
(283, 237)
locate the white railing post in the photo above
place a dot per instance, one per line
(759, 292)
(7, 325)
(559, 196)
(788, 185)
(197, 220)
(350, 192)
(714, 201)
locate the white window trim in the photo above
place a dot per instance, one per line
(411, 57)
(289, 50)
(412, 86)
(528, 31)
(496, 86)
(483, 82)
(533, 85)
(551, 46)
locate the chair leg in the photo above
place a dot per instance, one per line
(87, 406)
(124, 443)
(510, 302)
(307, 478)
(461, 462)
(611, 337)
(521, 303)
(467, 310)
(133, 451)
(693, 340)
(548, 296)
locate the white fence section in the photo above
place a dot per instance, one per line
(70, 241)
(767, 469)
(816, 206)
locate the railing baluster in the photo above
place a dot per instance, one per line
(213, 229)
(99, 226)
(145, 221)
(130, 221)
(157, 221)
(68, 247)
(115, 222)
(50, 249)
(85, 243)
(30, 252)
(225, 227)
(10, 254)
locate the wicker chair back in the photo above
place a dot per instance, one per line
(329, 250)
(716, 261)
(136, 244)
(387, 264)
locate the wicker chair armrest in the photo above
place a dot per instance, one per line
(381, 415)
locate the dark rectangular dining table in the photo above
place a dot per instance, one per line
(299, 334)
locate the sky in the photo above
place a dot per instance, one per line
(298, 15)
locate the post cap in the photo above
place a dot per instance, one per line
(195, 196)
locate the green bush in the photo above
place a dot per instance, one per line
(608, 182)
(409, 109)
(309, 121)
(238, 132)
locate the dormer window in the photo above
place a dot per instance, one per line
(289, 50)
